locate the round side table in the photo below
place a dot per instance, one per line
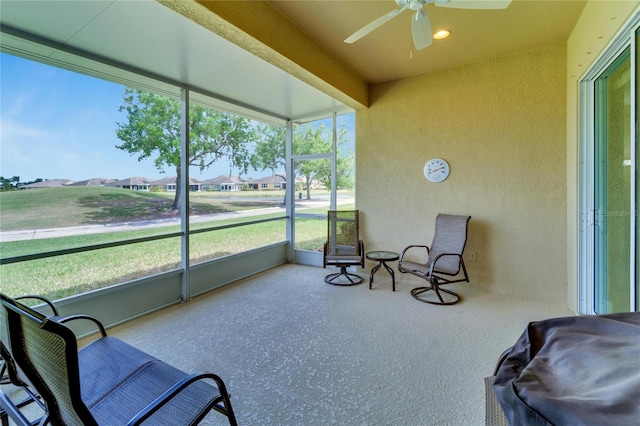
(382, 257)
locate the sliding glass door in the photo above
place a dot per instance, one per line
(610, 179)
(613, 187)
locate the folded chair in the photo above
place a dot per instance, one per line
(343, 247)
(107, 382)
(444, 257)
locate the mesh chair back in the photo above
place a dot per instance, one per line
(450, 237)
(47, 352)
(343, 234)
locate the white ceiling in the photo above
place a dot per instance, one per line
(109, 35)
(152, 42)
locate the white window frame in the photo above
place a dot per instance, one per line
(625, 38)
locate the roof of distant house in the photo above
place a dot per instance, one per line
(270, 179)
(49, 183)
(93, 182)
(172, 179)
(223, 179)
(136, 180)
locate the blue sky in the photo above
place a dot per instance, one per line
(56, 124)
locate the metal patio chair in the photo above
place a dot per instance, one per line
(343, 247)
(108, 381)
(444, 257)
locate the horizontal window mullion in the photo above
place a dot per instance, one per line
(55, 253)
(235, 225)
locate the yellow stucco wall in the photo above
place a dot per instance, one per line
(598, 24)
(500, 124)
(507, 126)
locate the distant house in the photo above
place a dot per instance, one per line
(93, 182)
(169, 184)
(273, 182)
(133, 183)
(48, 183)
(224, 183)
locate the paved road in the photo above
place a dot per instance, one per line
(32, 234)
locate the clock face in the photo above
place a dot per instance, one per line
(436, 170)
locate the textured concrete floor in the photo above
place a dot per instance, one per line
(296, 351)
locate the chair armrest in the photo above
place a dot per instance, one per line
(56, 315)
(413, 247)
(435, 262)
(74, 317)
(175, 390)
(40, 298)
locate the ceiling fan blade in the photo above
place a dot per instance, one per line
(374, 24)
(421, 29)
(474, 4)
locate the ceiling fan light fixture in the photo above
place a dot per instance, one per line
(442, 34)
(421, 24)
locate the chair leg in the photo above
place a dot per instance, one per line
(435, 287)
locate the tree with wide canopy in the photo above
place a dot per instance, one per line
(152, 129)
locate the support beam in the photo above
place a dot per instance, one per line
(290, 191)
(185, 293)
(259, 28)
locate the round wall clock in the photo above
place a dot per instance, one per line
(436, 170)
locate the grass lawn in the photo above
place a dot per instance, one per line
(62, 276)
(75, 206)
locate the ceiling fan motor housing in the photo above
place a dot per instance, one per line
(412, 4)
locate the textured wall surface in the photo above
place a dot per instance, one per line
(501, 126)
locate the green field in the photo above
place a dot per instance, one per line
(61, 276)
(76, 206)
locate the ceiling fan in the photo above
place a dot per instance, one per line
(420, 23)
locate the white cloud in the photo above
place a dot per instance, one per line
(14, 132)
